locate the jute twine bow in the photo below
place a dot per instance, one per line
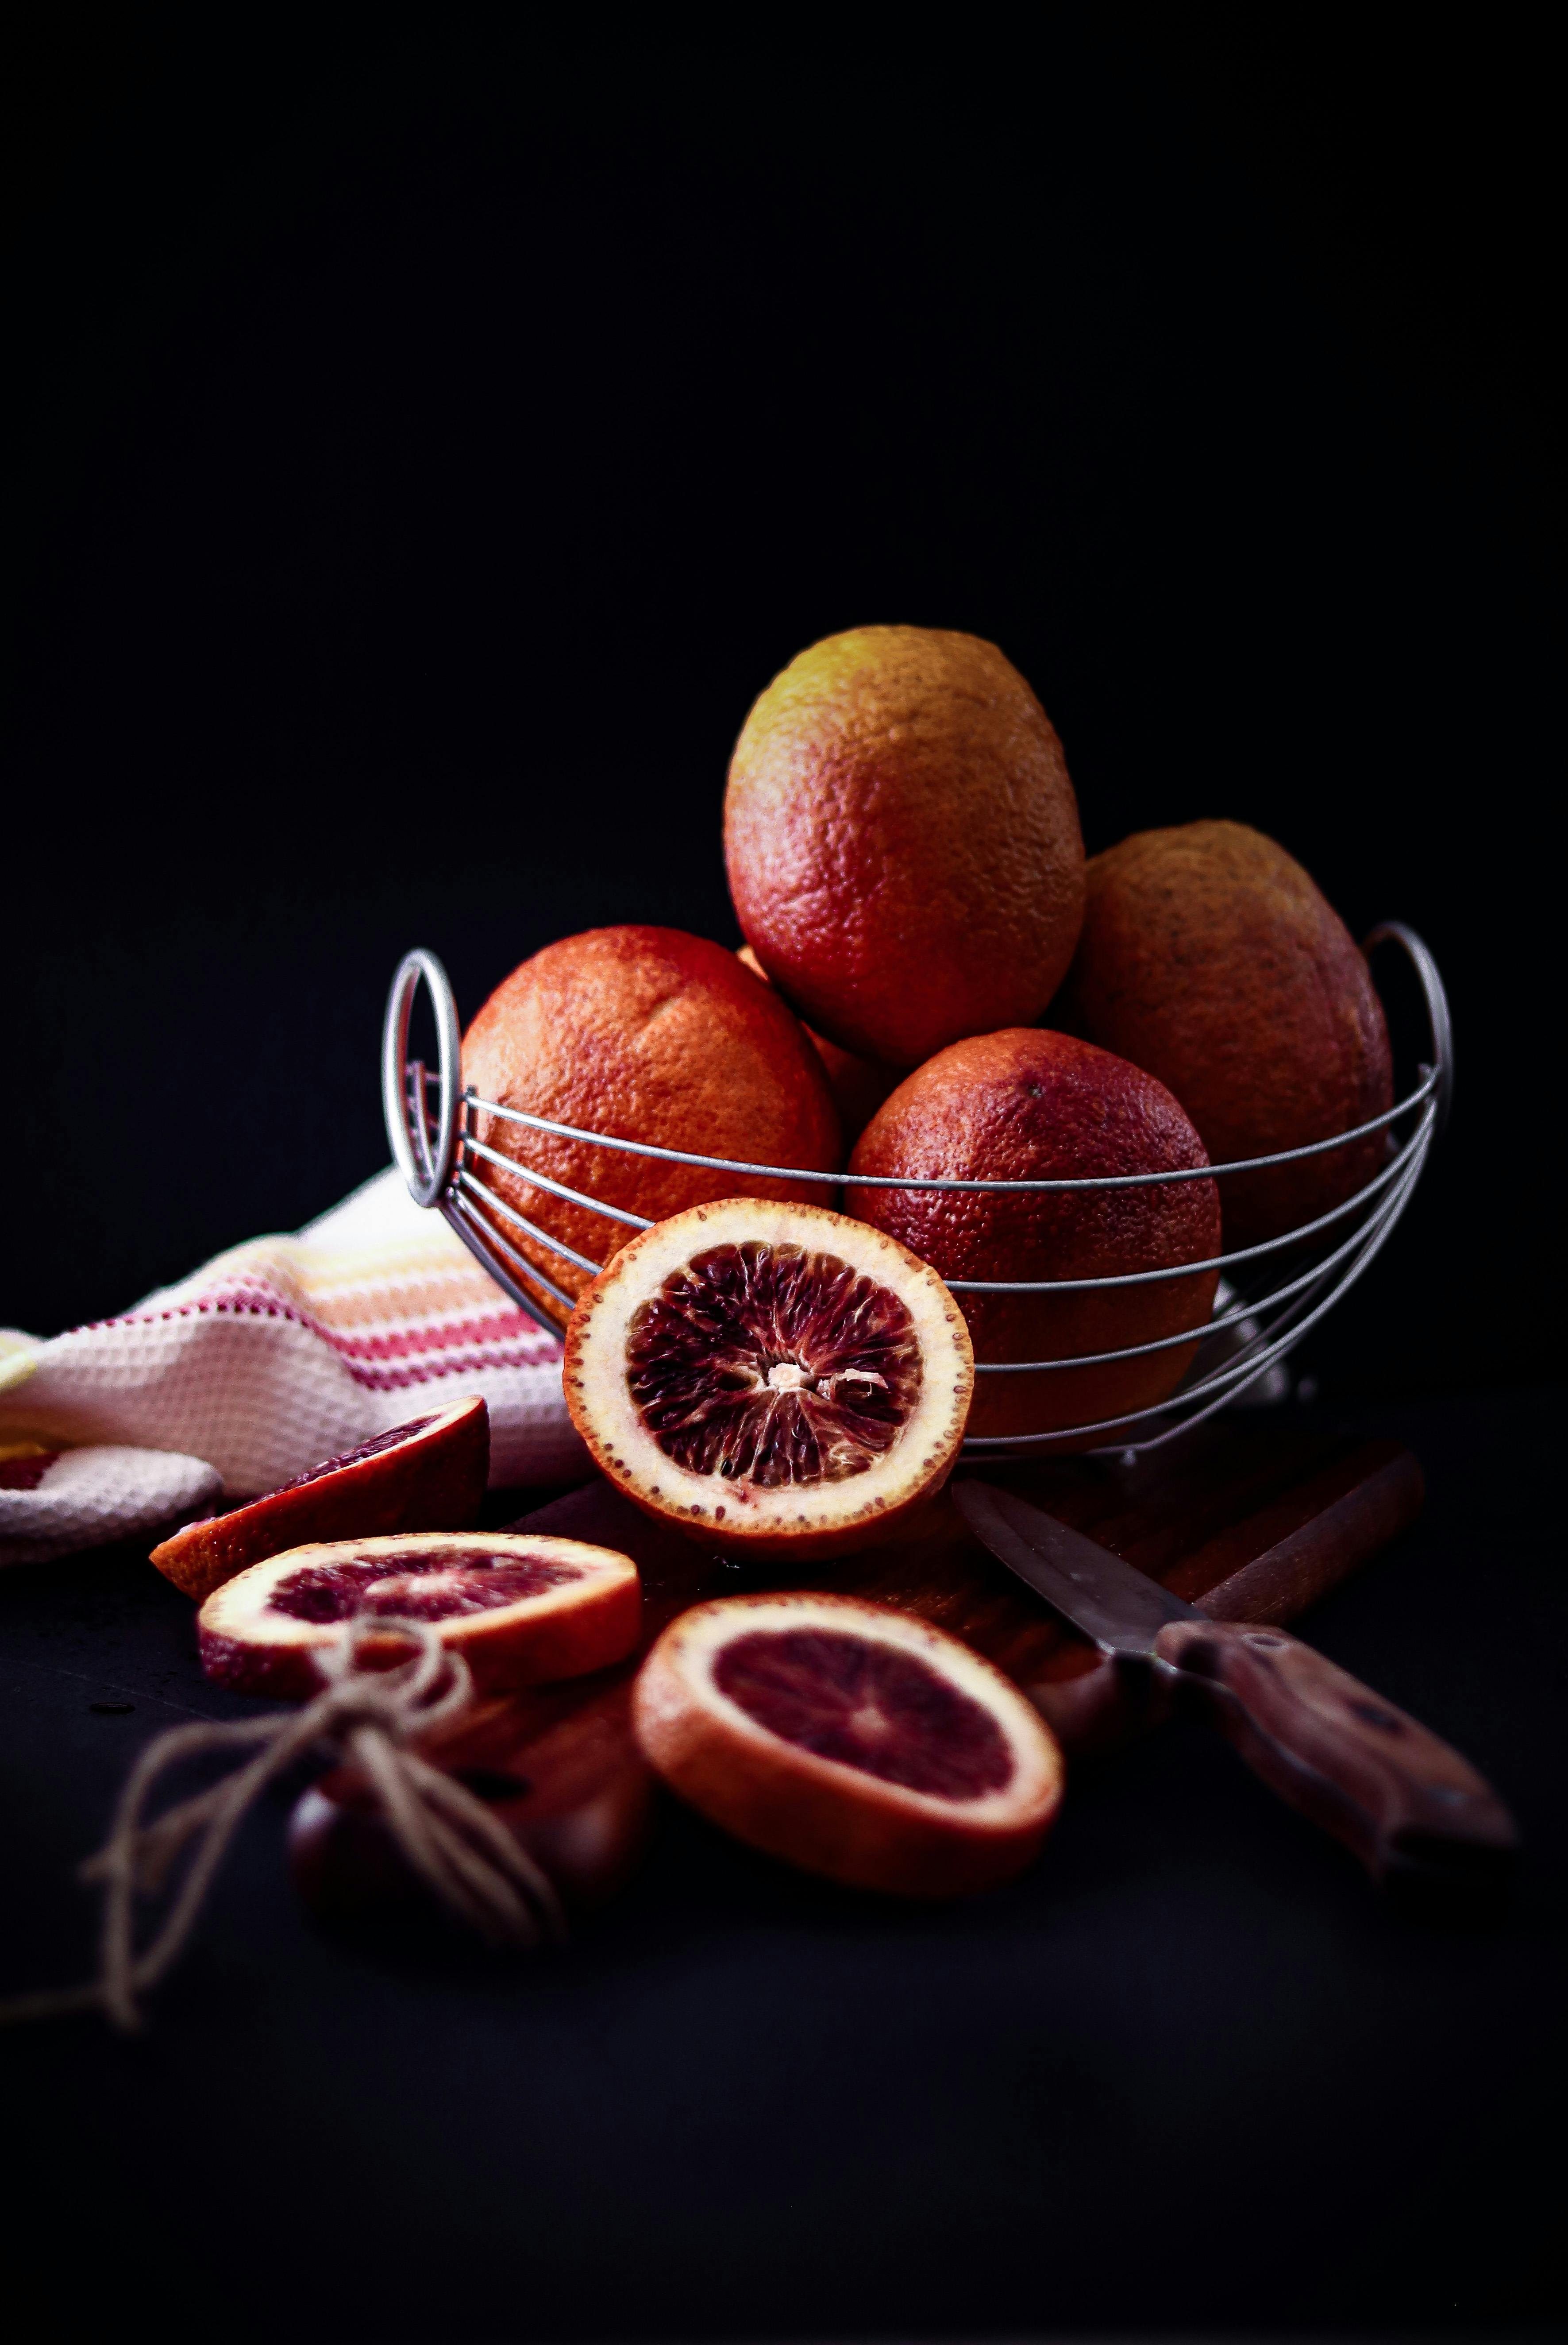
(472, 1863)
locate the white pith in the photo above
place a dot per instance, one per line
(241, 1609)
(602, 1404)
(693, 1645)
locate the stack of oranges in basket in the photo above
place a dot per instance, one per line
(934, 985)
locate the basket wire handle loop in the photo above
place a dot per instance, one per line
(426, 1167)
(1437, 1013)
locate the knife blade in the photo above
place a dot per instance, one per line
(1415, 1812)
(1113, 1604)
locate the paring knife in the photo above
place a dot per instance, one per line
(1411, 1809)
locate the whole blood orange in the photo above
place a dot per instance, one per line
(777, 1380)
(902, 842)
(850, 1740)
(858, 1085)
(1031, 1105)
(1209, 956)
(644, 1034)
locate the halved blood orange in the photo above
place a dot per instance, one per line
(426, 1474)
(778, 1380)
(522, 1610)
(850, 1740)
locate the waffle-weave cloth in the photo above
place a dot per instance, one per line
(272, 1356)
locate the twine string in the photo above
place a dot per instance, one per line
(462, 1854)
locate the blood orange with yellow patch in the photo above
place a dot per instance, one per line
(902, 841)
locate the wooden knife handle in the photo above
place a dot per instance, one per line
(1415, 1812)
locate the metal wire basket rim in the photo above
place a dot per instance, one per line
(429, 1174)
(1216, 1262)
(1212, 1327)
(1230, 1378)
(1224, 1384)
(487, 1197)
(1161, 1276)
(1230, 1317)
(436, 1151)
(1430, 1078)
(1237, 1374)
(1369, 1234)
(472, 1147)
(484, 1242)
(1237, 1316)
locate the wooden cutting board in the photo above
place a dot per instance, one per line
(1256, 1525)
(1255, 1528)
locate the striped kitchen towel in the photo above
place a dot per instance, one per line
(273, 1355)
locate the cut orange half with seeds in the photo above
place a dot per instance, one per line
(850, 1740)
(779, 1380)
(520, 1611)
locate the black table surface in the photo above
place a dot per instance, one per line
(1190, 2072)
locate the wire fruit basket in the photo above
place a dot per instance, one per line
(1265, 1301)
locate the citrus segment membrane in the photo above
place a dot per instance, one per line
(866, 1706)
(774, 1363)
(441, 1583)
(775, 1378)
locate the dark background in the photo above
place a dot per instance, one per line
(426, 434)
(429, 433)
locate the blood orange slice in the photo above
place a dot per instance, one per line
(520, 1611)
(779, 1380)
(426, 1475)
(849, 1740)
